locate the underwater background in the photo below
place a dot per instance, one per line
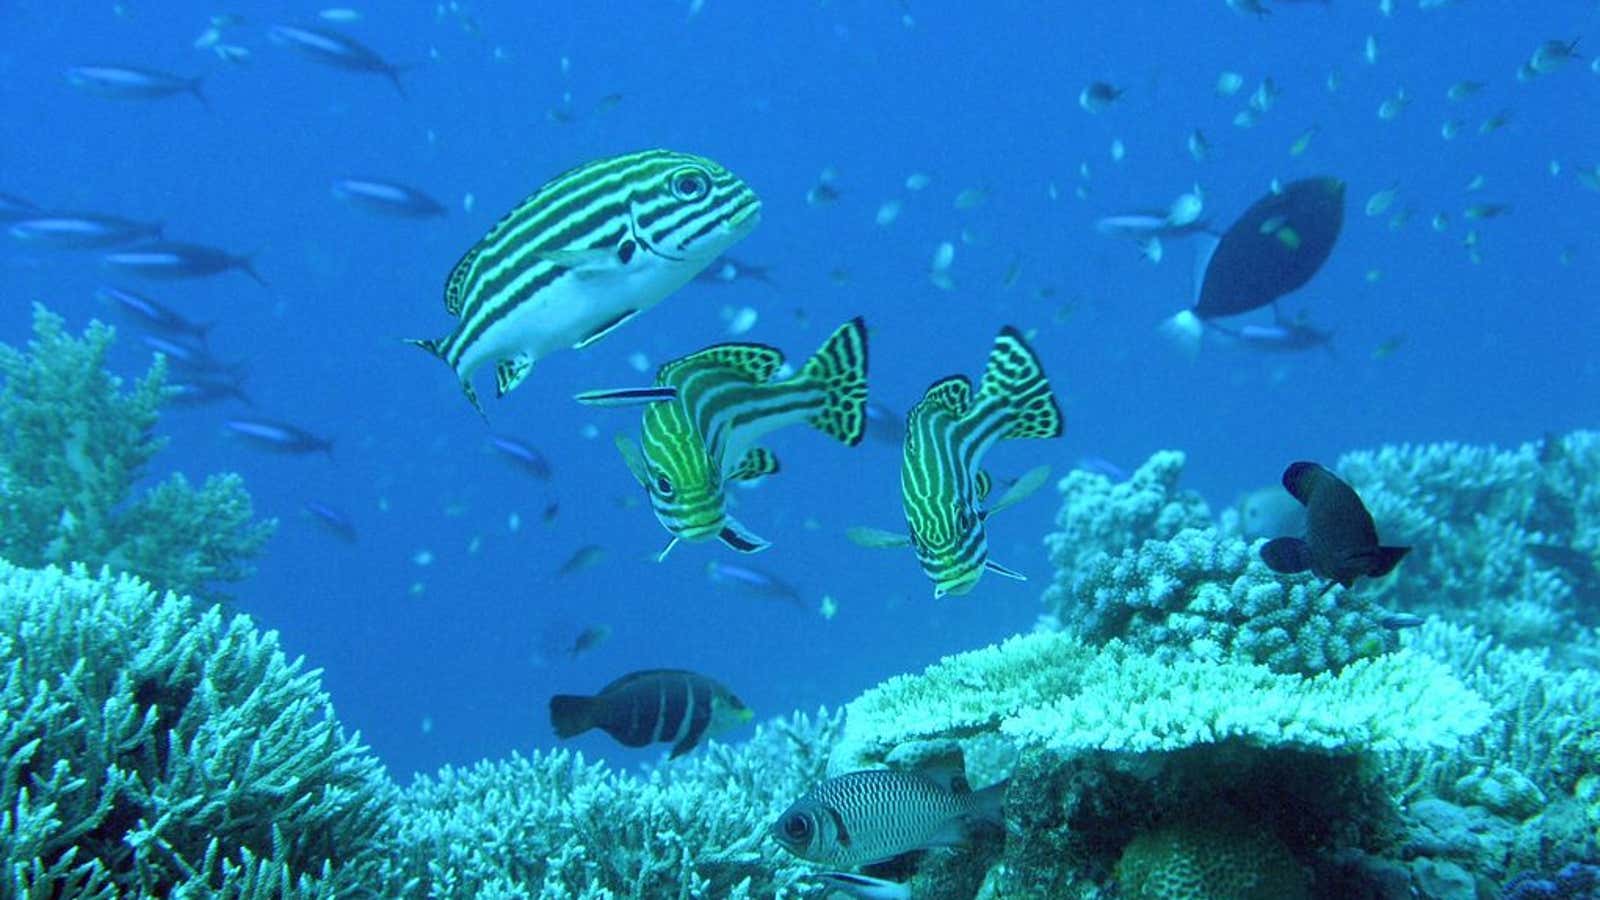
(445, 626)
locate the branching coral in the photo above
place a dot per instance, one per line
(73, 443)
(151, 748)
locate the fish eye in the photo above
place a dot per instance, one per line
(664, 485)
(690, 184)
(797, 827)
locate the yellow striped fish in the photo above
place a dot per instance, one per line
(708, 410)
(588, 251)
(942, 482)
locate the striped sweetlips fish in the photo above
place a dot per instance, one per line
(651, 707)
(588, 251)
(942, 483)
(708, 410)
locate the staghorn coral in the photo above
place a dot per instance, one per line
(73, 443)
(551, 825)
(151, 748)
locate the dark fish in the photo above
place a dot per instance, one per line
(1272, 250)
(332, 519)
(1280, 337)
(204, 390)
(334, 49)
(589, 638)
(653, 706)
(279, 436)
(1341, 542)
(586, 557)
(13, 207)
(152, 316)
(188, 354)
(551, 510)
(1105, 468)
(387, 198)
(754, 582)
(885, 425)
(166, 260)
(877, 814)
(82, 231)
(129, 83)
(1397, 621)
(522, 454)
(727, 270)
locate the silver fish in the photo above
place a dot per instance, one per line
(153, 316)
(129, 83)
(279, 436)
(337, 50)
(81, 231)
(753, 581)
(166, 260)
(332, 519)
(387, 198)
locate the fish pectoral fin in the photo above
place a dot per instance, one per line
(757, 463)
(508, 373)
(998, 569)
(587, 261)
(662, 556)
(1286, 555)
(605, 328)
(633, 458)
(739, 538)
(982, 484)
(626, 396)
(1031, 481)
(1386, 559)
(877, 538)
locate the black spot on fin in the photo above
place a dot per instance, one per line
(605, 329)
(1286, 555)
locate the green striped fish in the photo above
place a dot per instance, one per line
(942, 483)
(585, 253)
(709, 409)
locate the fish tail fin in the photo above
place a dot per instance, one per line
(194, 88)
(393, 74)
(840, 367)
(989, 803)
(1387, 559)
(1015, 374)
(1184, 330)
(247, 264)
(571, 715)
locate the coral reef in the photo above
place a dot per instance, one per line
(151, 747)
(73, 443)
(1216, 854)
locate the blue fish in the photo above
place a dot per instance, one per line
(130, 83)
(13, 207)
(522, 454)
(279, 436)
(337, 50)
(188, 354)
(204, 390)
(167, 260)
(335, 521)
(754, 582)
(81, 231)
(387, 198)
(152, 316)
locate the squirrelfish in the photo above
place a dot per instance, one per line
(709, 409)
(587, 252)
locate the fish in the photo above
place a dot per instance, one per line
(586, 557)
(1552, 55)
(942, 483)
(708, 410)
(82, 231)
(1199, 147)
(826, 191)
(653, 706)
(1400, 620)
(1461, 90)
(1341, 542)
(387, 198)
(1147, 224)
(1248, 267)
(167, 260)
(204, 389)
(151, 315)
(753, 581)
(130, 83)
(332, 519)
(522, 454)
(727, 270)
(873, 815)
(340, 51)
(13, 207)
(1097, 96)
(1268, 512)
(864, 887)
(1282, 336)
(280, 437)
(583, 255)
(189, 354)
(588, 639)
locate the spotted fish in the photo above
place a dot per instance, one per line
(588, 251)
(709, 409)
(942, 483)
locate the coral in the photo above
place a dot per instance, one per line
(153, 748)
(541, 826)
(73, 443)
(1506, 539)
(1203, 596)
(1213, 856)
(1099, 516)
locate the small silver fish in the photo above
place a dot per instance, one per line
(388, 198)
(128, 83)
(166, 260)
(337, 50)
(82, 231)
(279, 436)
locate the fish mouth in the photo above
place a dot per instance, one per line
(745, 218)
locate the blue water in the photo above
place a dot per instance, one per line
(454, 661)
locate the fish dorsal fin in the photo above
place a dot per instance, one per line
(983, 483)
(508, 373)
(952, 394)
(455, 287)
(632, 678)
(605, 328)
(757, 463)
(757, 362)
(876, 538)
(1015, 375)
(740, 538)
(633, 458)
(1022, 488)
(1003, 571)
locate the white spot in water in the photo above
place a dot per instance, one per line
(422, 558)
(589, 431)
(943, 256)
(742, 321)
(639, 362)
(888, 212)
(468, 201)
(916, 181)
(514, 522)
